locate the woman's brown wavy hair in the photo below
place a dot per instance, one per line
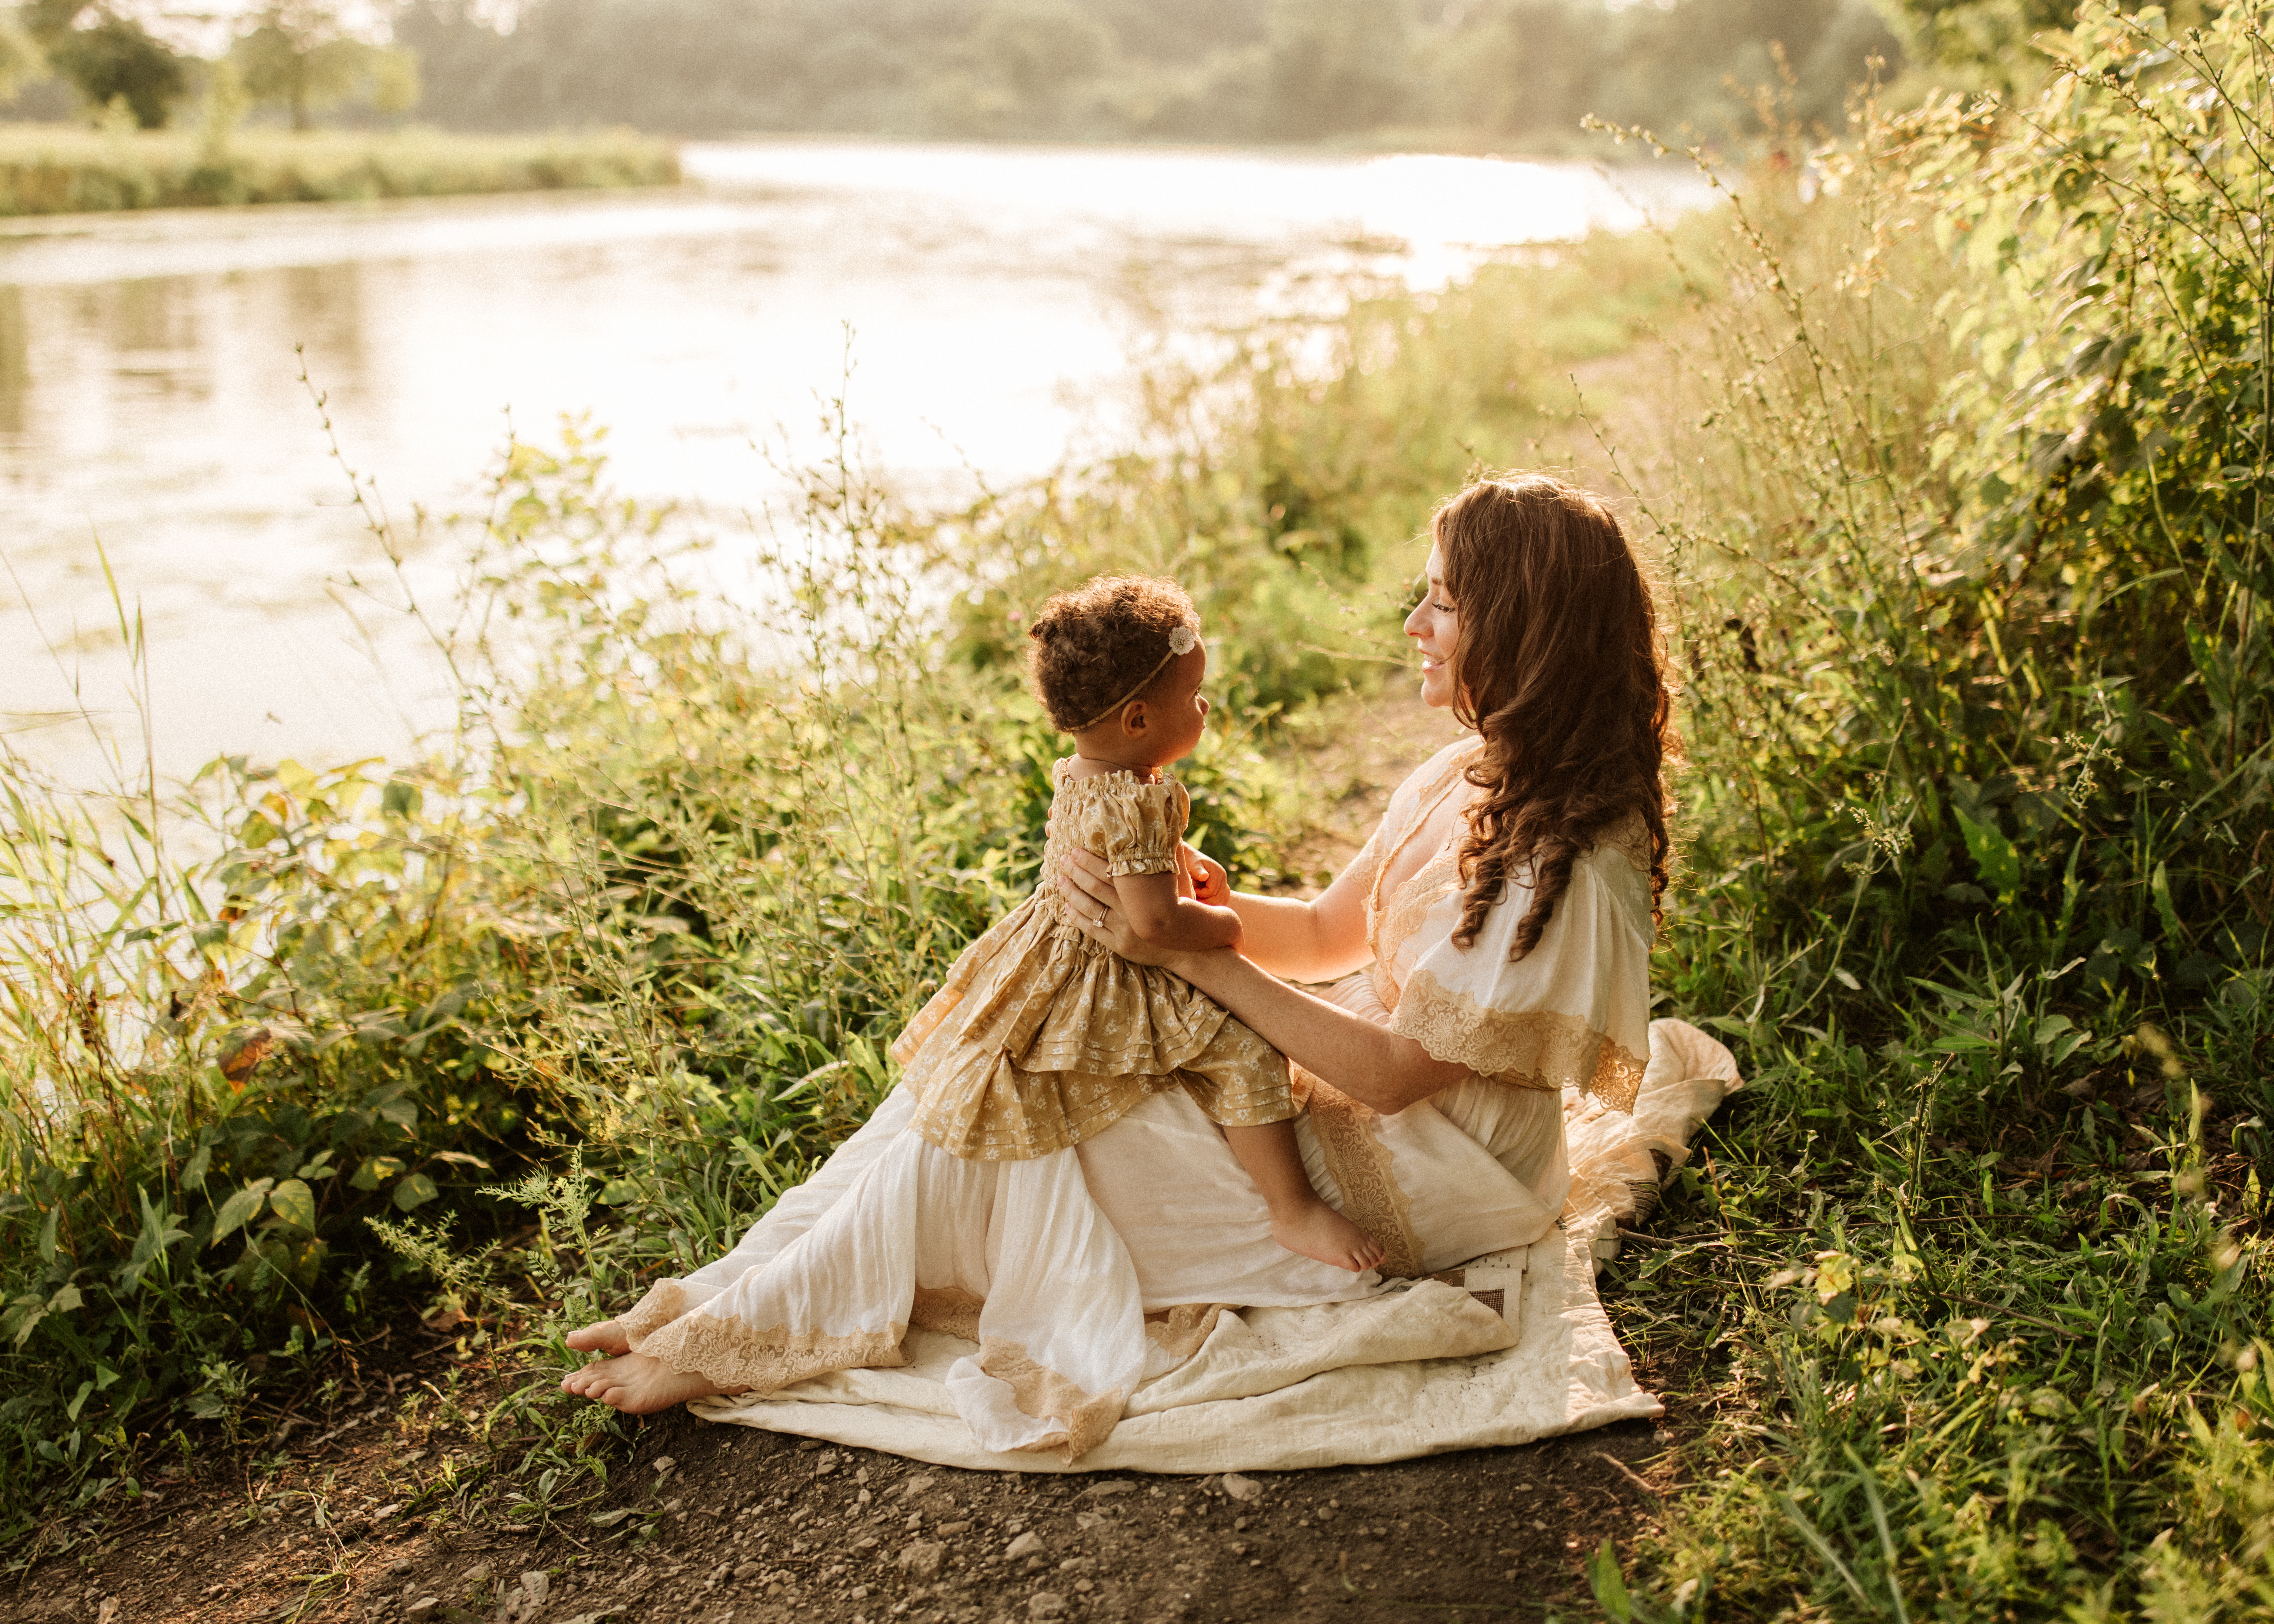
(1559, 666)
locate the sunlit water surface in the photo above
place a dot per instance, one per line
(151, 393)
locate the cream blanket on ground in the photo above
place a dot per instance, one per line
(1411, 1371)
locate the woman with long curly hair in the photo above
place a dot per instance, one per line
(1493, 939)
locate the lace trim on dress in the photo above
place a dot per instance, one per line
(1424, 804)
(1360, 1165)
(950, 1309)
(1179, 1332)
(1412, 904)
(733, 1355)
(1041, 1392)
(664, 1302)
(1527, 1049)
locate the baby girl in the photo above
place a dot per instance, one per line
(1039, 1038)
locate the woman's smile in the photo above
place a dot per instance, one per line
(1436, 631)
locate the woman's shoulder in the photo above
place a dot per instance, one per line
(1626, 842)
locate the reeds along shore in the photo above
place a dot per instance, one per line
(58, 168)
(1951, 446)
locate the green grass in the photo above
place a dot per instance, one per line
(1952, 451)
(68, 168)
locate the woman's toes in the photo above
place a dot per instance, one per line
(606, 1337)
(597, 1379)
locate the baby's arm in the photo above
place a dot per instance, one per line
(1158, 913)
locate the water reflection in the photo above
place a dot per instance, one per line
(150, 389)
(15, 364)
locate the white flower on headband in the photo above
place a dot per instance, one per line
(1184, 640)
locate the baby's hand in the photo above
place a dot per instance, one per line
(1210, 884)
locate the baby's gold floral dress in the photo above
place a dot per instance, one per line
(1039, 1038)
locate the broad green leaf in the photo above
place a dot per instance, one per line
(65, 1299)
(296, 1203)
(240, 1209)
(415, 1190)
(1994, 857)
(1609, 1585)
(376, 1171)
(47, 1233)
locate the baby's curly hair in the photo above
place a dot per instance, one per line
(1091, 645)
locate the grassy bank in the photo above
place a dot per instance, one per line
(69, 169)
(1952, 447)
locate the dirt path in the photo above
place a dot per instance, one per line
(394, 1510)
(725, 1525)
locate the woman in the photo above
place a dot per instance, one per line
(1507, 904)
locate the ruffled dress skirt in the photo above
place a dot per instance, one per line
(1040, 1039)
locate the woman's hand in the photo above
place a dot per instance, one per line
(1210, 884)
(1086, 886)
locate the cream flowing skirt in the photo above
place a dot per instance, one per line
(1085, 1272)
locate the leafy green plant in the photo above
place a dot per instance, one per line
(1974, 819)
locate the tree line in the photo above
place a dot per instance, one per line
(1520, 73)
(299, 56)
(1145, 70)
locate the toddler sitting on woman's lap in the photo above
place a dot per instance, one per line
(1039, 1038)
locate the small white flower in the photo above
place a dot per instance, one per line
(1184, 640)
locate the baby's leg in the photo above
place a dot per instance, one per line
(1301, 1220)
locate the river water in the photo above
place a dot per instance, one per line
(153, 412)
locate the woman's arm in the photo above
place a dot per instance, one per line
(1371, 1064)
(1321, 940)
(1315, 941)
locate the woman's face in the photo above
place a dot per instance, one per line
(1435, 628)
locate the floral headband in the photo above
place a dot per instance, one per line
(1183, 640)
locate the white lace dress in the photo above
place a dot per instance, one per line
(1084, 1272)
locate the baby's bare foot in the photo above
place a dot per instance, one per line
(606, 1337)
(1315, 1230)
(640, 1386)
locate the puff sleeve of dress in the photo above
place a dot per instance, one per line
(1574, 1012)
(1134, 826)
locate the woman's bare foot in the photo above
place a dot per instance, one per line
(640, 1386)
(606, 1337)
(1315, 1230)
